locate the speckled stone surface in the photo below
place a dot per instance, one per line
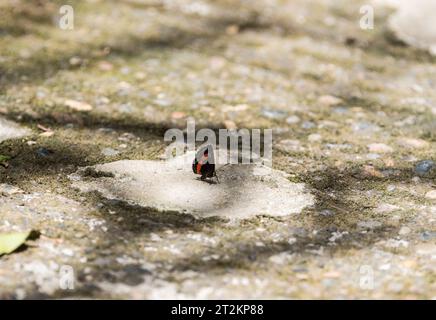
(353, 118)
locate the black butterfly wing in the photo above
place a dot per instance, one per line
(204, 162)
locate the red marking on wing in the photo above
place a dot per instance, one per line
(200, 163)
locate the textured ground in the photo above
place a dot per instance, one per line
(353, 113)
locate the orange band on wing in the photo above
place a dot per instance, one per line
(200, 163)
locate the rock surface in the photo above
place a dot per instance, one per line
(414, 23)
(243, 191)
(11, 130)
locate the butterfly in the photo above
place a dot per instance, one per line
(204, 163)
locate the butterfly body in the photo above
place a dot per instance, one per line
(204, 163)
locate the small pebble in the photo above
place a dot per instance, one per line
(109, 152)
(230, 125)
(404, 231)
(308, 125)
(428, 235)
(372, 156)
(391, 188)
(379, 148)
(292, 119)
(412, 143)
(431, 195)
(75, 61)
(273, 114)
(386, 208)
(365, 127)
(329, 101)
(424, 167)
(314, 137)
(105, 66)
(176, 115)
(43, 152)
(327, 213)
(78, 105)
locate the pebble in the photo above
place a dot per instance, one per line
(385, 267)
(102, 100)
(109, 152)
(176, 115)
(232, 29)
(308, 125)
(105, 66)
(46, 134)
(411, 143)
(155, 237)
(409, 121)
(327, 213)
(391, 188)
(290, 145)
(143, 94)
(416, 180)
(43, 152)
(68, 252)
(332, 274)
(372, 171)
(386, 208)
(338, 146)
(409, 158)
(431, 195)
(78, 105)
(329, 101)
(379, 148)
(230, 125)
(281, 258)
(126, 107)
(340, 110)
(292, 119)
(9, 189)
(369, 224)
(365, 127)
(425, 249)
(273, 114)
(292, 240)
(235, 108)
(372, 156)
(163, 102)
(75, 61)
(424, 167)
(394, 243)
(314, 137)
(404, 231)
(140, 75)
(428, 235)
